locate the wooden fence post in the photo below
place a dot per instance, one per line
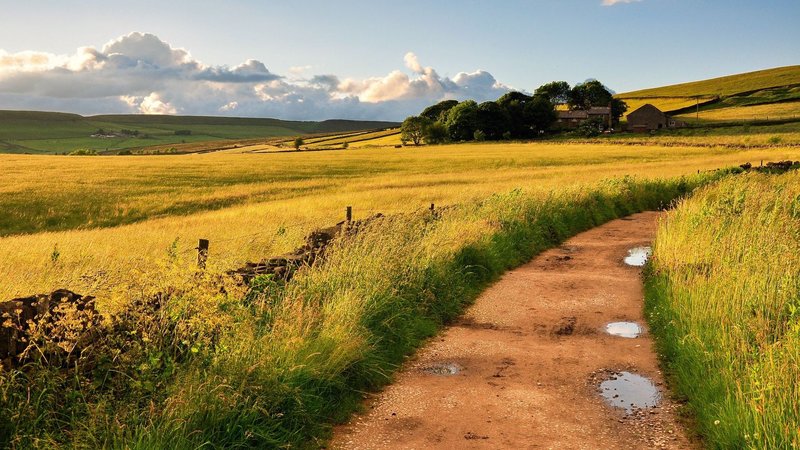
(202, 253)
(349, 214)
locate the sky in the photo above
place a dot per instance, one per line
(359, 59)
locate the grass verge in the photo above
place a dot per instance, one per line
(723, 301)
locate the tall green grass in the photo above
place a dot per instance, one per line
(723, 300)
(278, 365)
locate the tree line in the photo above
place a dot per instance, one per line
(515, 115)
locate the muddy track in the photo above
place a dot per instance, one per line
(522, 368)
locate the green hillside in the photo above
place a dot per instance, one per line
(725, 86)
(48, 132)
(772, 94)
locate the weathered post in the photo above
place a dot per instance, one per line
(349, 214)
(202, 253)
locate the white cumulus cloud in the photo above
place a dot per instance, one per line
(140, 73)
(153, 104)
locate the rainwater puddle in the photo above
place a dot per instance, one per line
(637, 256)
(630, 391)
(624, 329)
(444, 369)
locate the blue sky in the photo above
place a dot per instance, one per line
(461, 49)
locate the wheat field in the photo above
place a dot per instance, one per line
(92, 221)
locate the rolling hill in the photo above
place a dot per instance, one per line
(51, 132)
(735, 98)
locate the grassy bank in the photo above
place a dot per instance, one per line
(723, 300)
(276, 365)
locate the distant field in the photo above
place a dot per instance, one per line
(43, 132)
(390, 140)
(743, 135)
(354, 139)
(748, 113)
(361, 138)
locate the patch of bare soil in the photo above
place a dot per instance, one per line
(523, 367)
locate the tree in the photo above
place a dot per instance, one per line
(493, 120)
(436, 134)
(298, 142)
(438, 112)
(594, 93)
(462, 121)
(514, 104)
(588, 94)
(618, 108)
(557, 92)
(540, 113)
(413, 128)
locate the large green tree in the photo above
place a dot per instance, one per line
(462, 121)
(438, 112)
(414, 128)
(436, 134)
(557, 92)
(594, 93)
(514, 103)
(618, 108)
(493, 120)
(540, 113)
(588, 94)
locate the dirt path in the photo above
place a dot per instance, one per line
(522, 367)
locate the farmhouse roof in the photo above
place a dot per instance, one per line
(646, 108)
(599, 110)
(573, 114)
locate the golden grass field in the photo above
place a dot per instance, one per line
(254, 205)
(274, 364)
(788, 110)
(352, 139)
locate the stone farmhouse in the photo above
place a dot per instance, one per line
(649, 118)
(573, 118)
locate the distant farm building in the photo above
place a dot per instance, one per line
(648, 118)
(574, 117)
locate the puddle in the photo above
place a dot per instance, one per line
(630, 391)
(638, 256)
(443, 369)
(624, 329)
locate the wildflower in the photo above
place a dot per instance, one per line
(716, 422)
